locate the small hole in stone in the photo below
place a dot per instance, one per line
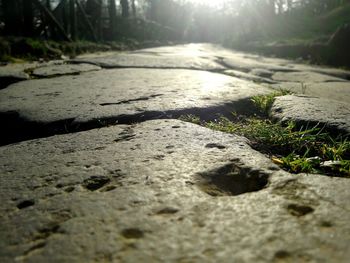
(176, 127)
(231, 180)
(132, 233)
(109, 188)
(282, 254)
(167, 210)
(326, 224)
(215, 145)
(69, 189)
(95, 182)
(299, 210)
(25, 204)
(273, 168)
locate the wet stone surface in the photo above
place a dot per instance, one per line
(129, 183)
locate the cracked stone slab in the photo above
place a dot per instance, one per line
(11, 74)
(308, 77)
(63, 69)
(262, 72)
(104, 94)
(247, 76)
(164, 191)
(335, 72)
(248, 63)
(339, 91)
(334, 114)
(135, 60)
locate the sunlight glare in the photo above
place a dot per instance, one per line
(211, 3)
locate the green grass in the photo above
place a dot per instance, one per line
(264, 102)
(190, 118)
(306, 149)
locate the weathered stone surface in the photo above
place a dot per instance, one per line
(107, 94)
(262, 72)
(339, 91)
(132, 60)
(247, 76)
(335, 72)
(164, 191)
(63, 69)
(308, 77)
(10, 74)
(247, 63)
(333, 114)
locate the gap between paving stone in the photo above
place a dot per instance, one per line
(18, 129)
(150, 67)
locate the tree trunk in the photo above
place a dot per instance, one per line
(50, 17)
(86, 20)
(125, 8)
(28, 17)
(112, 9)
(12, 18)
(72, 18)
(133, 7)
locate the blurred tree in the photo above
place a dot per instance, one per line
(12, 16)
(133, 8)
(112, 9)
(93, 9)
(125, 8)
(28, 18)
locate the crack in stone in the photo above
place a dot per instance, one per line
(108, 66)
(131, 100)
(14, 124)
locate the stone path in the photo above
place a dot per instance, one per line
(96, 168)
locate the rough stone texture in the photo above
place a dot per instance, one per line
(333, 114)
(119, 92)
(335, 72)
(308, 77)
(64, 69)
(339, 91)
(247, 63)
(164, 191)
(10, 74)
(262, 73)
(247, 76)
(132, 60)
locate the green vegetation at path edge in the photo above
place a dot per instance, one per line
(297, 150)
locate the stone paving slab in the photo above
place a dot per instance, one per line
(132, 60)
(63, 69)
(120, 92)
(339, 91)
(10, 75)
(308, 77)
(164, 191)
(333, 114)
(248, 76)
